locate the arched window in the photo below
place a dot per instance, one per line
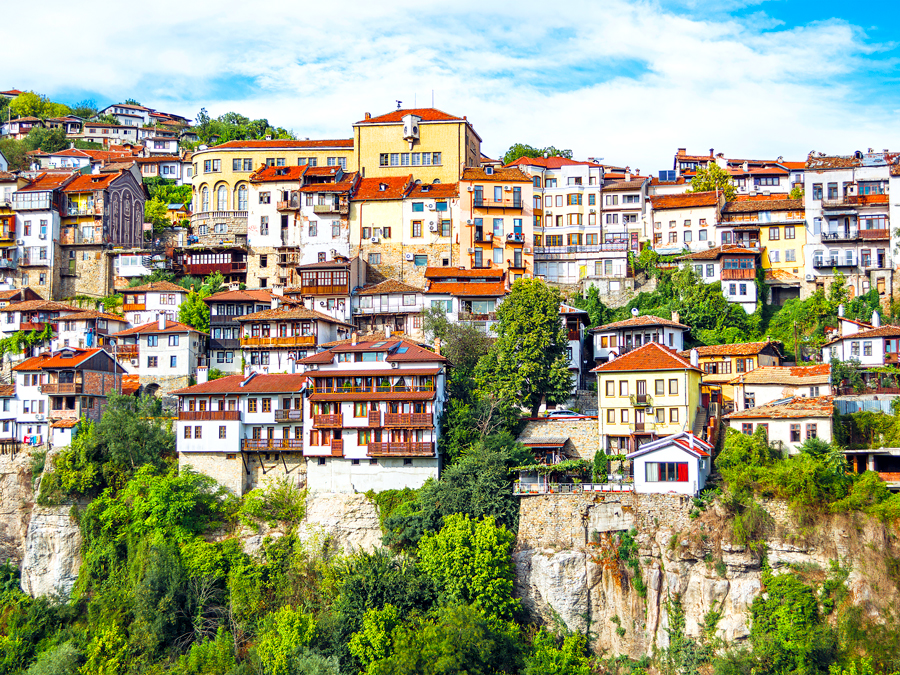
(242, 198)
(205, 199)
(222, 198)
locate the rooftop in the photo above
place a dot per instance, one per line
(151, 328)
(498, 175)
(156, 286)
(798, 407)
(685, 201)
(739, 349)
(385, 187)
(754, 205)
(652, 356)
(636, 321)
(427, 115)
(344, 143)
(790, 375)
(388, 286)
(718, 252)
(241, 384)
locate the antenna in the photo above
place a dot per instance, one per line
(398, 104)
(432, 98)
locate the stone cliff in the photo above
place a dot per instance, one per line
(16, 502)
(568, 567)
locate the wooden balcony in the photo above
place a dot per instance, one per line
(37, 325)
(400, 449)
(742, 275)
(62, 388)
(287, 341)
(272, 444)
(890, 476)
(375, 418)
(408, 420)
(288, 205)
(134, 307)
(287, 415)
(209, 415)
(378, 389)
(211, 268)
(312, 289)
(127, 351)
(328, 421)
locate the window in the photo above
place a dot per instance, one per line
(187, 432)
(673, 387)
(743, 289)
(817, 191)
(667, 472)
(623, 387)
(611, 416)
(688, 236)
(701, 235)
(264, 225)
(624, 416)
(265, 197)
(610, 388)
(775, 233)
(673, 415)
(790, 255)
(810, 431)
(813, 391)
(152, 340)
(660, 387)
(151, 361)
(173, 361)
(774, 256)
(795, 433)
(374, 258)
(710, 270)
(222, 431)
(421, 260)
(747, 429)
(867, 348)
(198, 432)
(173, 340)
(251, 405)
(789, 232)
(266, 405)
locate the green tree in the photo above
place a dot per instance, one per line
(796, 192)
(30, 104)
(155, 212)
(713, 177)
(194, 311)
(373, 642)
(131, 101)
(85, 109)
(133, 433)
(48, 140)
(523, 150)
(469, 562)
(15, 153)
(283, 635)
(528, 361)
(551, 655)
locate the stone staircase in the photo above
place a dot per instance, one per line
(699, 428)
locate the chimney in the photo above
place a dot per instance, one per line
(841, 310)
(437, 346)
(876, 319)
(354, 338)
(202, 374)
(269, 137)
(234, 286)
(161, 321)
(746, 167)
(278, 290)
(368, 116)
(676, 317)
(274, 303)
(695, 358)
(712, 152)
(682, 152)
(627, 173)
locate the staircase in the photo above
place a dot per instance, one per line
(699, 428)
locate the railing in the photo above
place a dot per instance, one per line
(288, 415)
(731, 274)
(875, 233)
(37, 325)
(469, 316)
(605, 247)
(497, 204)
(819, 263)
(337, 447)
(855, 200)
(400, 449)
(62, 388)
(324, 290)
(850, 391)
(209, 415)
(284, 341)
(210, 268)
(223, 319)
(290, 205)
(852, 233)
(390, 309)
(134, 307)
(641, 399)
(483, 265)
(28, 261)
(374, 418)
(484, 238)
(81, 211)
(569, 488)
(270, 444)
(326, 208)
(7, 264)
(229, 343)
(127, 351)
(515, 238)
(408, 420)
(206, 215)
(332, 421)
(890, 476)
(8, 235)
(378, 389)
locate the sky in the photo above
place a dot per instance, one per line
(626, 80)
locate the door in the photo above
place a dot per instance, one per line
(642, 391)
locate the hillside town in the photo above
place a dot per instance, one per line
(307, 258)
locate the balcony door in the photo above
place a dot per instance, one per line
(641, 391)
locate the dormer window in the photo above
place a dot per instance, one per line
(489, 170)
(382, 187)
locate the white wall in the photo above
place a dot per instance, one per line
(780, 429)
(696, 475)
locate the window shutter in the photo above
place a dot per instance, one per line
(682, 472)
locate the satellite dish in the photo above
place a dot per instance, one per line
(634, 311)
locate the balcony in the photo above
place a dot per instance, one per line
(377, 388)
(854, 201)
(375, 418)
(211, 268)
(88, 210)
(469, 316)
(874, 234)
(641, 399)
(328, 421)
(272, 444)
(209, 415)
(134, 307)
(28, 261)
(841, 235)
(127, 351)
(7, 264)
(72, 235)
(481, 264)
(37, 325)
(8, 236)
(510, 203)
(331, 208)
(287, 341)
(820, 263)
(742, 275)
(571, 252)
(390, 309)
(62, 388)
(230, 343)
(288, 205)
(287, 415)
(515, 238)
(484, 238)
(337, 447)
(409, 420)
(223, 319)
(400, 449)
(213, 215)
(310, 289)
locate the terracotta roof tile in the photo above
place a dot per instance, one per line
(385, 187)
(260, 383)
(471, 289)
(254, 295)
(93, 314)
(388, 286)
(647, 320)
(500, 175)
(678, 181)
(739, 349)
(620, 186)
(795, 375)
(752, 206)
(153, 327)
(684, 201)
(289, 313)
(48, 181)
(435, 191)
(343, 143)
(348, 180)
(718, 252)
(651, 356)
(7, 390)
(270, 174)
(834, 162)
(797, 408)
(157, 286)
(55, 360)
(777, 276)
(89, 182)
(64, 424)
(39, 305)
(459, 273)
(427, 115)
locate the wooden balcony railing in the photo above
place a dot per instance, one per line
(127, 351)
(209, 415)
(332, 421)
(408, 420)
(271, 444)
(62, 388)
(731, 275)
(37, 325)
(890, 476)
(287, 415)
(375, 418)
(286, 341)
(378, 389)
(312, 289)
(134, 307)
(400, 449)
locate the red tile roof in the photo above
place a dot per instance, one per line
(678, 181)
(93, 314)
(388, 286)
(51, 361)
(739, 349)
(386, 187)
(260, 383)
(48, 181)
(471, 289)
(500, 175)
(412, 353)
(270, 174)
(685, 201)
(89, 182)
(435, 191)
(458, 273)
(766, 203)
(7, 390)
(157, 287)
(257, 295)
(634, 322)
(633, 184)
(798, 407)
(38, 305)
(343, 185)
(427, 115)
(718, 252)
(289, 313)
(795, 375)
(64, 424)
(548, 162)
(130, 384)
(346, 143)
(153, 327)
(652, 356)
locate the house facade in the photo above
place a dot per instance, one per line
(143, 304)
(788, 423)
(767, 384)
(164, 354)
(620, 337)
(677, 464)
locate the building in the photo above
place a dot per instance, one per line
(575, 322)
(390, 306)
(432, 145)
(620, 337)
(165, 354)
(678, 464)
(788, 422)
(470, 295)
(871, 345)
(145, 303)
(377, 224)
(87, 329)
(225, 331)
(276, 340)
(646, 394)
(129, 114)
(734, 267)
(243, 430)
(9, 253)
(767, 384)
(20, 127)
(751, 177)
(326, 286)
(166, 166)
(498, 212)
(846, 201)
(17, 295)
(685, 221)
(371, 421)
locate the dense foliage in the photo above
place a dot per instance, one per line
(233, 126)
(524, 150)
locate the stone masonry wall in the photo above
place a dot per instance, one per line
(583, 434)
(92, 272)
(271, 272)
(394, 264)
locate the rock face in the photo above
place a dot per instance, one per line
(590, 588)
(350, 520)
(16, 501)
(52, 552)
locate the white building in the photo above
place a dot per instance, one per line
(388, 306)
(685, 221)
(87, 329)
(735, 267)
(371, 421)
(767, 384)
(620, 337)
(145, 303)
(870, 344)
(788, 422)
(467, 295)
(128, 114)
(163, 353)
(243, 430)
(161, 145)
(678, 464)
(225, 308)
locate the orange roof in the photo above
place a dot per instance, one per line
(796, 375)
(388, 286)
(637, 321)
(739, 349)
(93, 314)
(798, 407)
(386, 187)
(38, 305)
(64, 424)
(47, 181)
(475, 289)
(718, 252)
(684, 201)
(284, 313)
(156, 286)
(257, 295)
(435, 191)
(457, 272)
(88, 182)
(499, 175)
(678, 181)
(130, 384)
(153, 327)
(51, 361)
(411, 351)
(239, 384)
(427, 115)
(286, 143)
(652, 356)
(548, 162)
(763, 203)
(269, 174)
(343, 185)
(7, 390)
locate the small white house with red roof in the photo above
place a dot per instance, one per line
(678, 464)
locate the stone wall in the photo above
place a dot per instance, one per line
(165, 383)
(394, 264)
(272, 271)
(91, 274)
(236, 234)
(583, 434)
(16, 502)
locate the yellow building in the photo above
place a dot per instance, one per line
(646, 394)
(498, 216)
(425, 142)
(9, 183)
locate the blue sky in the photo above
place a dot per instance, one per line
(626, 80)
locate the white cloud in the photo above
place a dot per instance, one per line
(628, 81)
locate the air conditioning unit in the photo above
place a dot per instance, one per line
(432, 227)
(470, 251)
(321, 303)
(809, 277)
(507, 188)
(395, 364)
(42, 236)
(375, 240)
(468, 222)
(312, 366)
(527, 250)
(20, 242)
(593, 210)
(710, 244)
(431, 207)
(39, 416)
(409, 257)
(470, 189)
(334, 252)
